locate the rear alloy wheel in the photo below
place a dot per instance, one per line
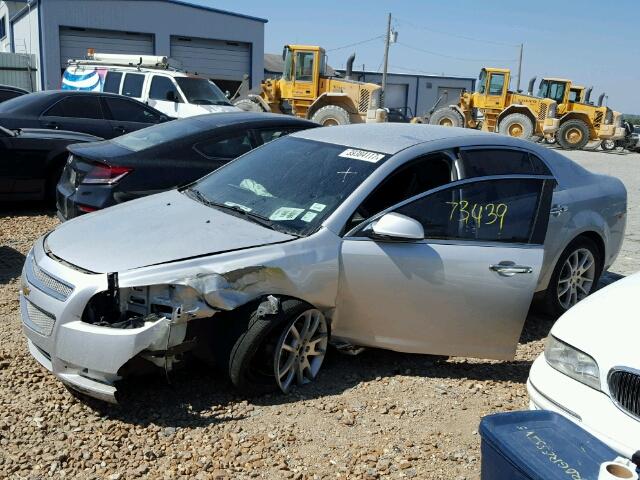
(608, 145)
(516, 125)
(447, 117)
(331, 115)
(301, 349)
(575, 277)
(573, 135)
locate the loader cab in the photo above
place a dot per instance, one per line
(556, 89)
(576, 94)
(493, 86)
(303, 67)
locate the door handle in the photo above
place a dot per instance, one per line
(558, 210)
(119, 129)
(52, 125)
(509, 269)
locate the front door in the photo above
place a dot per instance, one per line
(464, 289)
(497, 90)
(304, 87)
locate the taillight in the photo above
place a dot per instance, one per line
(86, 208)
(105, 174)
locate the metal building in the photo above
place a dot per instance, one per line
(214, 43)
(416, 94)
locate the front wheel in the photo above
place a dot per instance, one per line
(608, 145)
(281, 350)
(573, 135)
(575, 276)
(447, 117)
(516, 125)
(331, 115)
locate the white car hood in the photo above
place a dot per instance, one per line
(605, 325)
(157, 229)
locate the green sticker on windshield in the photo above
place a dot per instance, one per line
(318, 207)
(307, 217)
(286, 213)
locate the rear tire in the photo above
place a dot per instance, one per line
(516, 125)
(447, 117)
(331, 115)
(608, 145)
(249, 105)
(555, 302)
(573, 135)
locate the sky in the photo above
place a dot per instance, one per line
(591, 42)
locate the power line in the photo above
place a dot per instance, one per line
(453, 57)
(355, 44)
(491, 42)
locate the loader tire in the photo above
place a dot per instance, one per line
(331, 115)
(249, 105)
(573, 135)
(516, 125)
(447, 117)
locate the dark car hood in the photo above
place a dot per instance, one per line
(102, 151)
(157, 229)
(57, 134)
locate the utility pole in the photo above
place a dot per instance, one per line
(387, 39)
(520, 67)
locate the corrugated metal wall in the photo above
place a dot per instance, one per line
(18, 70)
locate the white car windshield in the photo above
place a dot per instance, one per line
(200, 91)
(290, 184)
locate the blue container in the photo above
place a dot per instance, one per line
(539, 445)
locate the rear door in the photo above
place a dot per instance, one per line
(78, 113)
(464, 289)
(127, 115)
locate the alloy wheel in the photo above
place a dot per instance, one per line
(301, 349)
(576, 277)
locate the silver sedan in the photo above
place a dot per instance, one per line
(413, 238)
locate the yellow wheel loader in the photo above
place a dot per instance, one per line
(494, 108)
(307, 91)
(579, 120)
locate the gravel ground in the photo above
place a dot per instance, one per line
(377, 415)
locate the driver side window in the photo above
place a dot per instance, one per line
(407, 181)
(304, 66)
(496, 84)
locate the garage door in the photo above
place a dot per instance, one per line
(395, 95)
(215, 59)
(451, 95)
(74, 43)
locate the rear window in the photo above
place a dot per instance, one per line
(484, 163)
(18, 103)
(112, 82)
(158, 134)
(132, 86)
(125, 110)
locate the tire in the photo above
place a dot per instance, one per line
(608, 145)
(550, 140)
(253, 360)
(249, 105)
(516, 125)
(331, 115)
(573, 135)
(552, 303)
(447, 117)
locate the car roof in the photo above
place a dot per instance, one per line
(389, 138)
(232, 118)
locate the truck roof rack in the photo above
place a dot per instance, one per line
(140, 61)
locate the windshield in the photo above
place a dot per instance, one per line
(158, 134)
(288, 64)
(289, 184)
(552, 90)
(482, 81)
(201, 91)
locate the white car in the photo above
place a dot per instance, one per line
(149, 79)
(590, 369)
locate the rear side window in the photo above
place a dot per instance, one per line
(132, 85)
(123, 110)
(112, 82)
(491, 210)
(162, 88)
(229, 147)
(77, 106)
(484, 163)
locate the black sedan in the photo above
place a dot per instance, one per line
(162, 157)
(105, 115)
(31, 161)
(8, 92)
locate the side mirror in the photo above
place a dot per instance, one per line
(227, 93)
(165, 118)
(171, 96)
(395, 226)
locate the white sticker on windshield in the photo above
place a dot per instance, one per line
(364, 155)
(307, 217)
(286, 213)
(231, 204)
(318, 207)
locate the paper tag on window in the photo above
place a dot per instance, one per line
(364, 155)
(286, 213)
(307, 217)
(317, 207)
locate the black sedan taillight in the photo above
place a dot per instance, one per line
(101, 173)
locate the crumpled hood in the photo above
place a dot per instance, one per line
(605, 325)
(157, 229)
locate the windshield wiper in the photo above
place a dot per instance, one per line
(247, 215)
